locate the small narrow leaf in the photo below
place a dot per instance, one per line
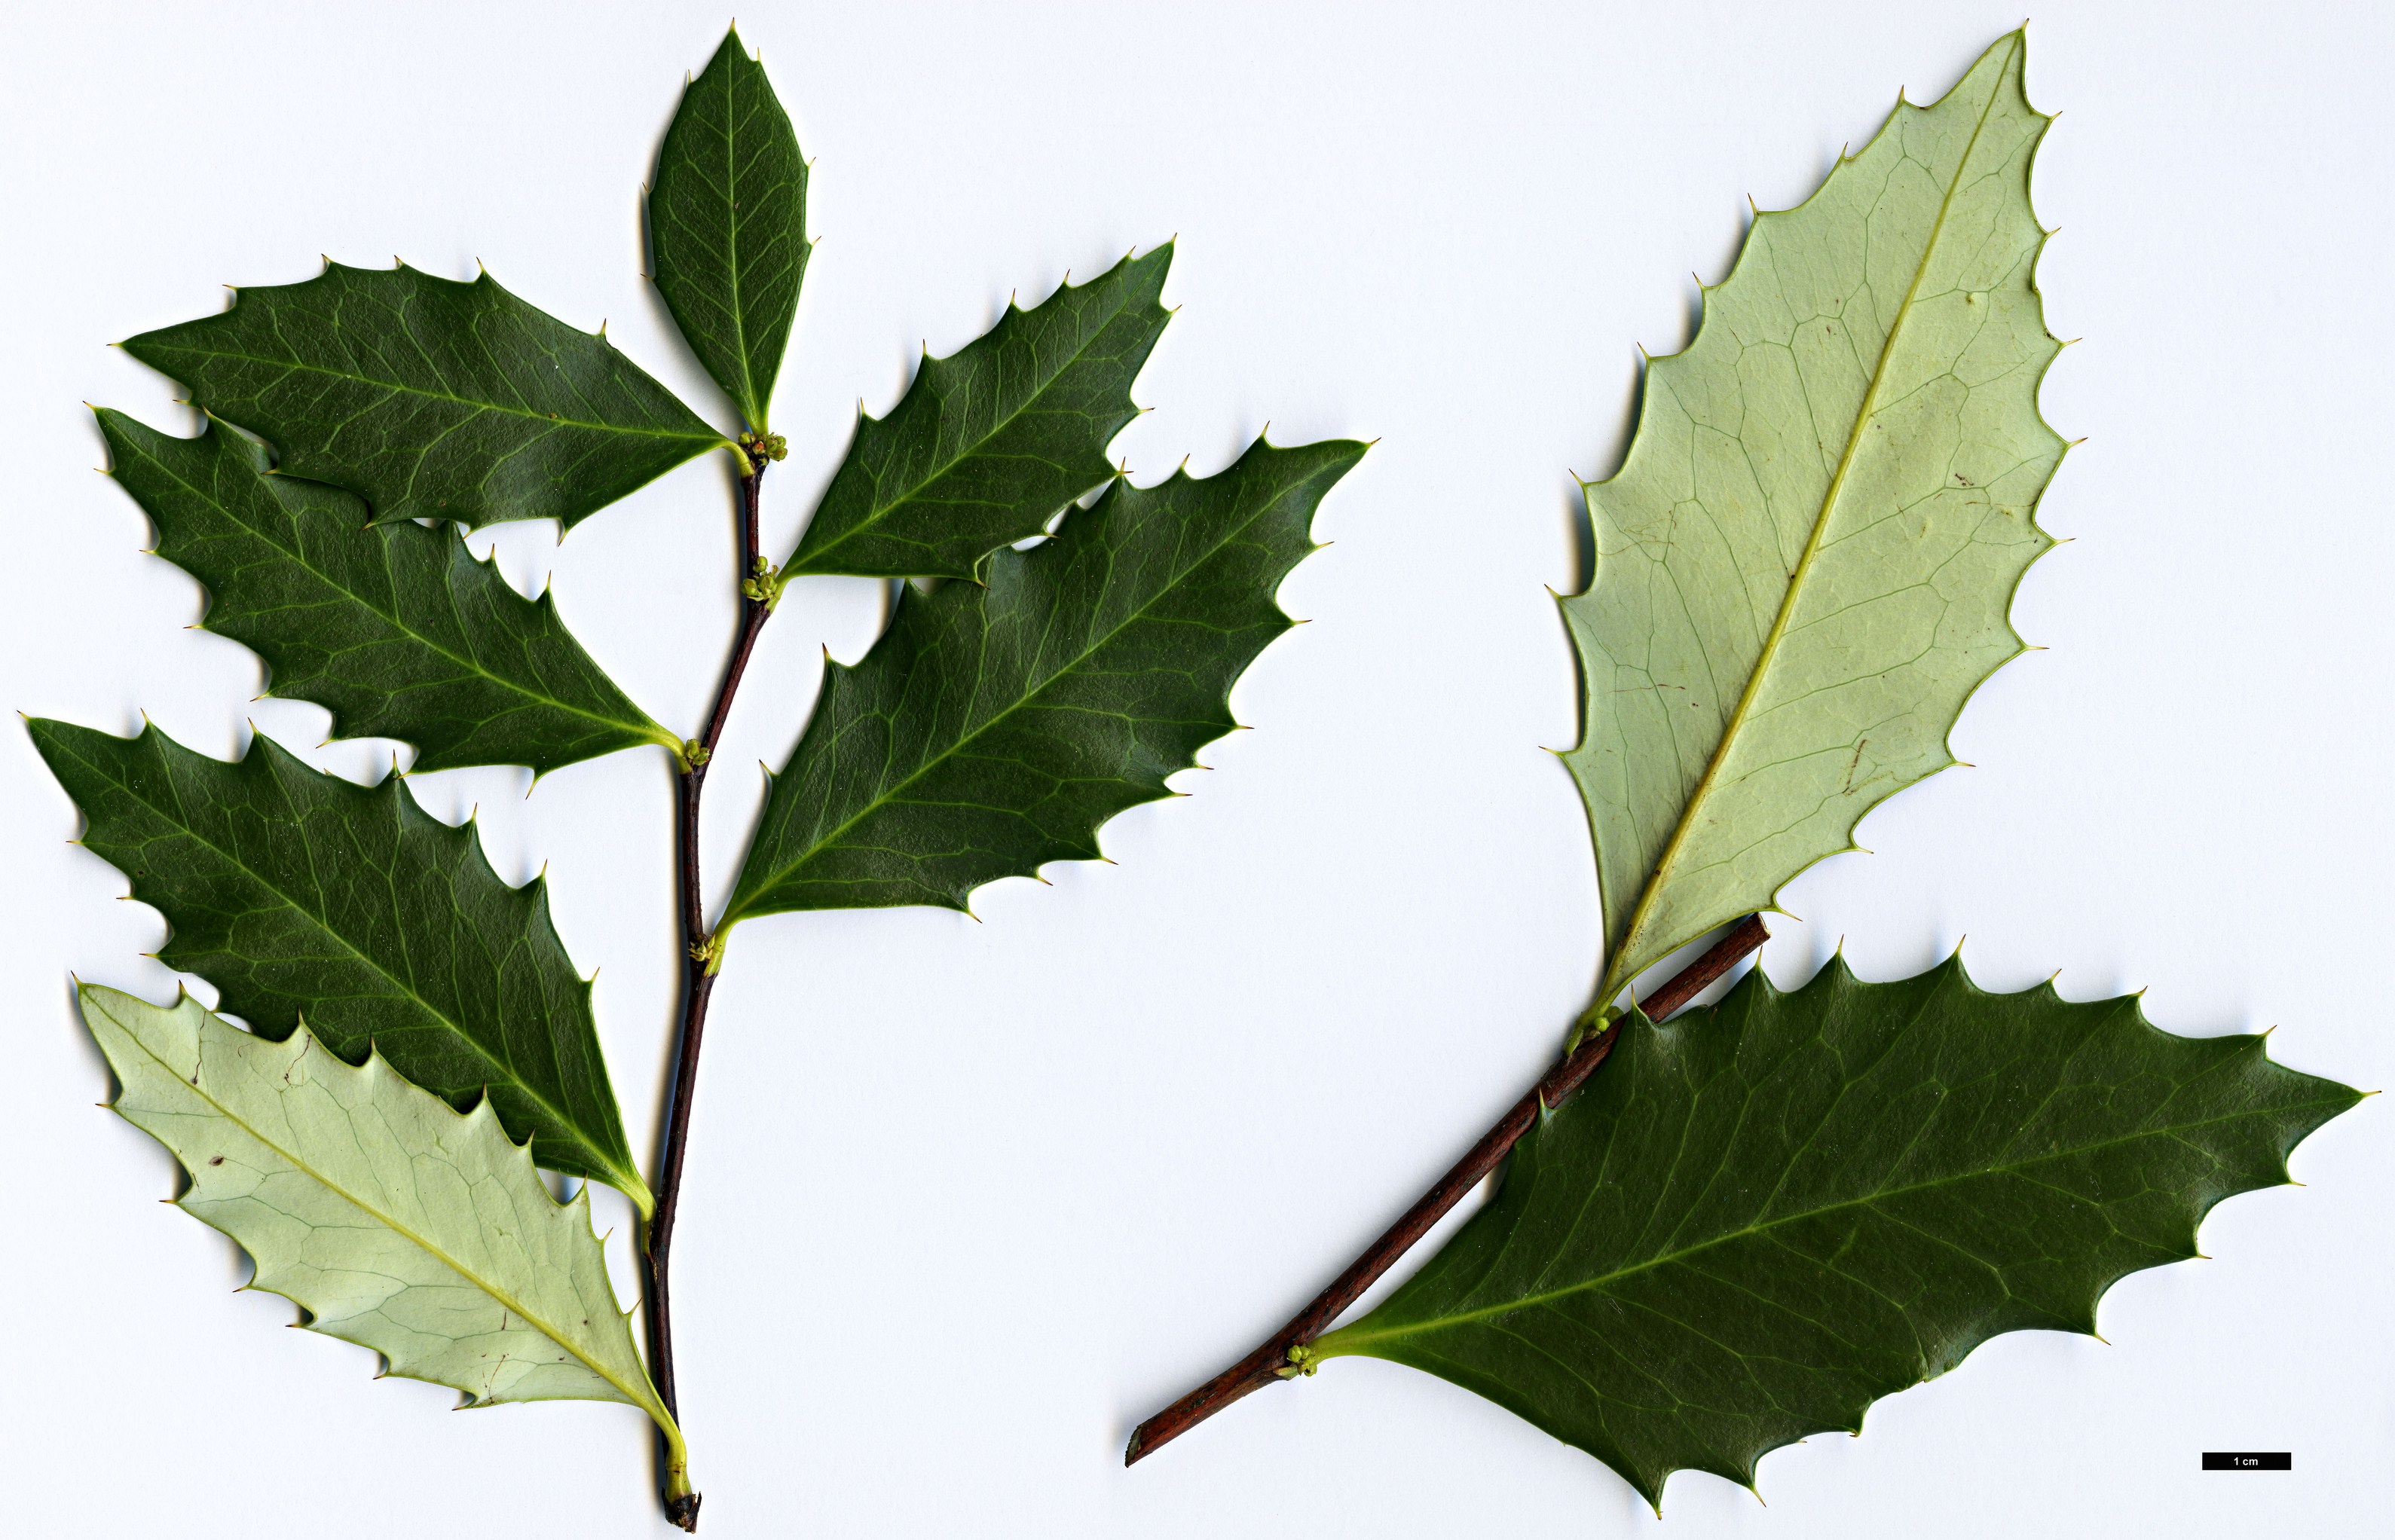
(986, 446)
(396, 1222)
(300, 894)
(1759, 1219)
(396, 630)
(728, 226)
(993, 729)
(431, 399)
(1804, 563)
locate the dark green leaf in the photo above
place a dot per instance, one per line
(298, 893)
(728, 226)
(431, 399)
(397, 630)
(1757, 1219)
(986, 446)
(993, 729)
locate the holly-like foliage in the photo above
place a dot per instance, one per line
(1752, 1221)
(1003, 717)
(1763, 1216)
(1756, 1220)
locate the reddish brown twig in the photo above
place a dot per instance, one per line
(1271, 1362)
(699, 976)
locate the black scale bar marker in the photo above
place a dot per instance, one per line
(2282, 1460)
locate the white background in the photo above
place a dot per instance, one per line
(968, 1199)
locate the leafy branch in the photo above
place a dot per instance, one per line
(996, 723)
(1769, 1213)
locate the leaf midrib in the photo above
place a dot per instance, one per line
(1616, 976)
(876, 519)
(1533, 1301)
(442, 1018)
(884, 799)
(749, 406)
(550, 419)
(655, 732)
(298, 1162)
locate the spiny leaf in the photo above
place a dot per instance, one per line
(1804, 562)
(1759, 1219)
(297, 893)
(397, 630)
(728, 226)
(986, 446)
(431, 399)
(396, 1222)
(993, 729)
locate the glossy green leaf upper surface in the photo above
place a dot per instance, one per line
(988, 444)
(992, 729)
(431, 399)
(302, 895)
(1806, 561)
(1759, 1219)
(397, 630)
(394, 1221)
(728, 226)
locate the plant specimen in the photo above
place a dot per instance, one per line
(1716, 1232)
(1760, 1217)
(418, 1038)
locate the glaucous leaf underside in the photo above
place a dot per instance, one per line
(728, 226)
(1805, 564)
(988, 444)
(396, 1222)
(431, 399)
(396, 630)
(996, 725)
(301, 895)
(1760, 1217)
